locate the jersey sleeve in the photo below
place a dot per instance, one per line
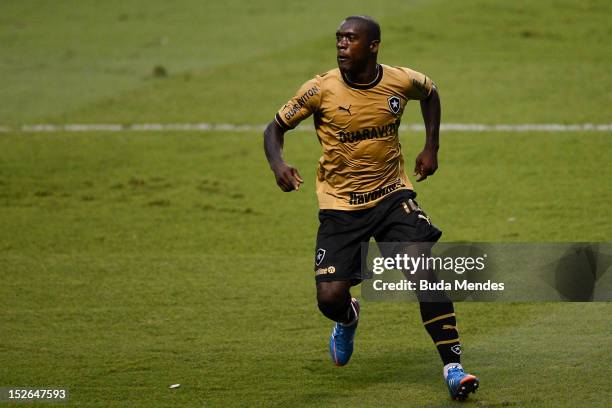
(418, 86)
(305, 102)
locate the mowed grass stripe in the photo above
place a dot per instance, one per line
(239, 128)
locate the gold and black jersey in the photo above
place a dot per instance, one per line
(357, 126)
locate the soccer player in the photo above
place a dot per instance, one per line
(362, 188)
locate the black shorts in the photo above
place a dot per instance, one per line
(397, 218)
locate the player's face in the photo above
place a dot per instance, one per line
(353, 47)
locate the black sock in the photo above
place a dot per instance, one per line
(341, 311)
(351, 314)
(439, 320)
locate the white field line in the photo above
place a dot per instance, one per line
(233, 128)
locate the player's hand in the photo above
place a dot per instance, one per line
(426, 164)
(287, 177)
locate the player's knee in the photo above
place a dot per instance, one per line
(332, 299)
(332, 309)
(329, 300)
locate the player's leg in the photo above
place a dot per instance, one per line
(440, 322)
(438, 315)
(407, 222)
(337, 268)
(335, 302)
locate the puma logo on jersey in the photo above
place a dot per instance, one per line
(346, 109)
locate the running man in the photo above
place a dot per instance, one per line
(362, 187)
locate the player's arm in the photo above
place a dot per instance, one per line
(426, 162)
(302, 105)
(287, 177)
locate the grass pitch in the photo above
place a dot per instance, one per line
(134, 261)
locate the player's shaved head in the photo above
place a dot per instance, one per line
(367, 24)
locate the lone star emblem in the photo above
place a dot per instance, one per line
(394, 104)
(320, 255)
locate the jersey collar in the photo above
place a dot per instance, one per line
(379, 75)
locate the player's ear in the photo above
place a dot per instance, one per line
(374, 46)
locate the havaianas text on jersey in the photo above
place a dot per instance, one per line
(390, 129)
(301, 101)
(362, 198)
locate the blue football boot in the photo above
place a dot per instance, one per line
(460, 384)
(341, 340)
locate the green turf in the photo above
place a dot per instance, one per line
(134, 261)
(494, 62)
